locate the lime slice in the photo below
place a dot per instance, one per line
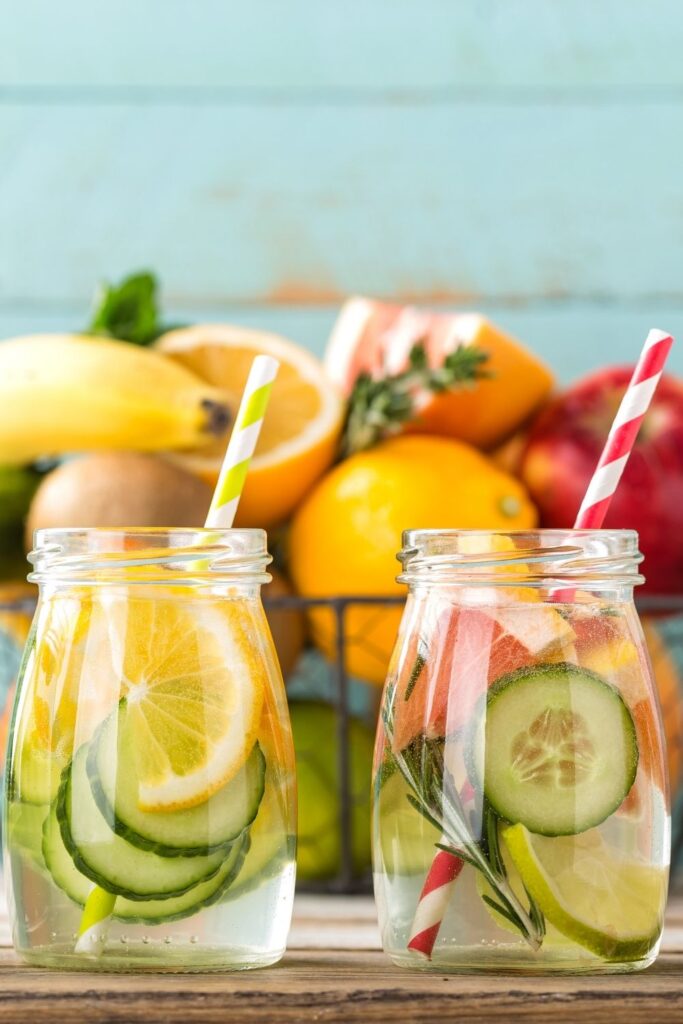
(607, 903)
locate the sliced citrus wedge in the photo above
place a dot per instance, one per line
(603, 901)
(69, 686)
(193, 695)
(299, 435)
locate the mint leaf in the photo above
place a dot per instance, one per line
(129, 310)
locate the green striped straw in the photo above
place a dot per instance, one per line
(99, 905)
(245, 434)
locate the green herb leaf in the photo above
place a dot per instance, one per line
(415, 673)
(378, 407)
(434, 795)
(499, 909)
(128, 311)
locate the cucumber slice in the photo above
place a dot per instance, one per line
(271, 845)
(197, 831)
(561, 749)
(77, 886)
(25, 830)
(112, 862)
(37, 774)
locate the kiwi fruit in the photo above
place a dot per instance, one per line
(118, 489)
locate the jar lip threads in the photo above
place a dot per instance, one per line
(529, 557)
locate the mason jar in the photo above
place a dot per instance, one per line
(520, 793)
(150, 793)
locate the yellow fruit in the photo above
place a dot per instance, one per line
(68, 392)
(301, 427)
(193, 697)
(345, 536)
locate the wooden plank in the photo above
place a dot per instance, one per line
(343, 983)
(339, 986)
(384, 46)
(573, 337)
(287, 204)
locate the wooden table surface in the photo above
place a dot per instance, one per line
(334, 971)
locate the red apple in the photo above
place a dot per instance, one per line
(563, 449)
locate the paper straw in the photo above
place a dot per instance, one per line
(242, 443)
(92, 932)
(623, 433)
(440, 880)
(99, 905)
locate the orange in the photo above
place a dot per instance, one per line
(346, 534)
(375, 337)
(301, 428)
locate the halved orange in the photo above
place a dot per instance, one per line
(302, 424)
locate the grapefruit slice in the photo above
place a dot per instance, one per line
(376, 338)
(471, 648)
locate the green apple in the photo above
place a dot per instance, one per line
(315, 741)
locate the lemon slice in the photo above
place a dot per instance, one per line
(299, 436)
(609, 904)
(193, 695)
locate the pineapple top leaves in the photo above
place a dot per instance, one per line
(378, 407)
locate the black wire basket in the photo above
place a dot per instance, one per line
(668, 612)
(336, 687)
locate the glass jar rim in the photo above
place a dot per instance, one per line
(598, 558)
(149, 554)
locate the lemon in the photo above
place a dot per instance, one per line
(299, 436)
(193, 693)
(346, 533)
(601, 900)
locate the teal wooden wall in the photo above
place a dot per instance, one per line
(267, 158)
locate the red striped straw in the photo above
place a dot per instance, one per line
(445, 868)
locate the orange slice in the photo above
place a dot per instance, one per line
(300, 431)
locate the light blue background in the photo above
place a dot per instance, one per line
(268, 158)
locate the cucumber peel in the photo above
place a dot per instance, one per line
(561, 749)
(109, 860)
(77, 886)
(192, 832)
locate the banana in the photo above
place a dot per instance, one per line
(72, 393)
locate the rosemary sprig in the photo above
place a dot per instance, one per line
(416, 670)
(378, 407)
(435, 796)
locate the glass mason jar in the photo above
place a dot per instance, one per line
(520, 793)
(150, 776)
